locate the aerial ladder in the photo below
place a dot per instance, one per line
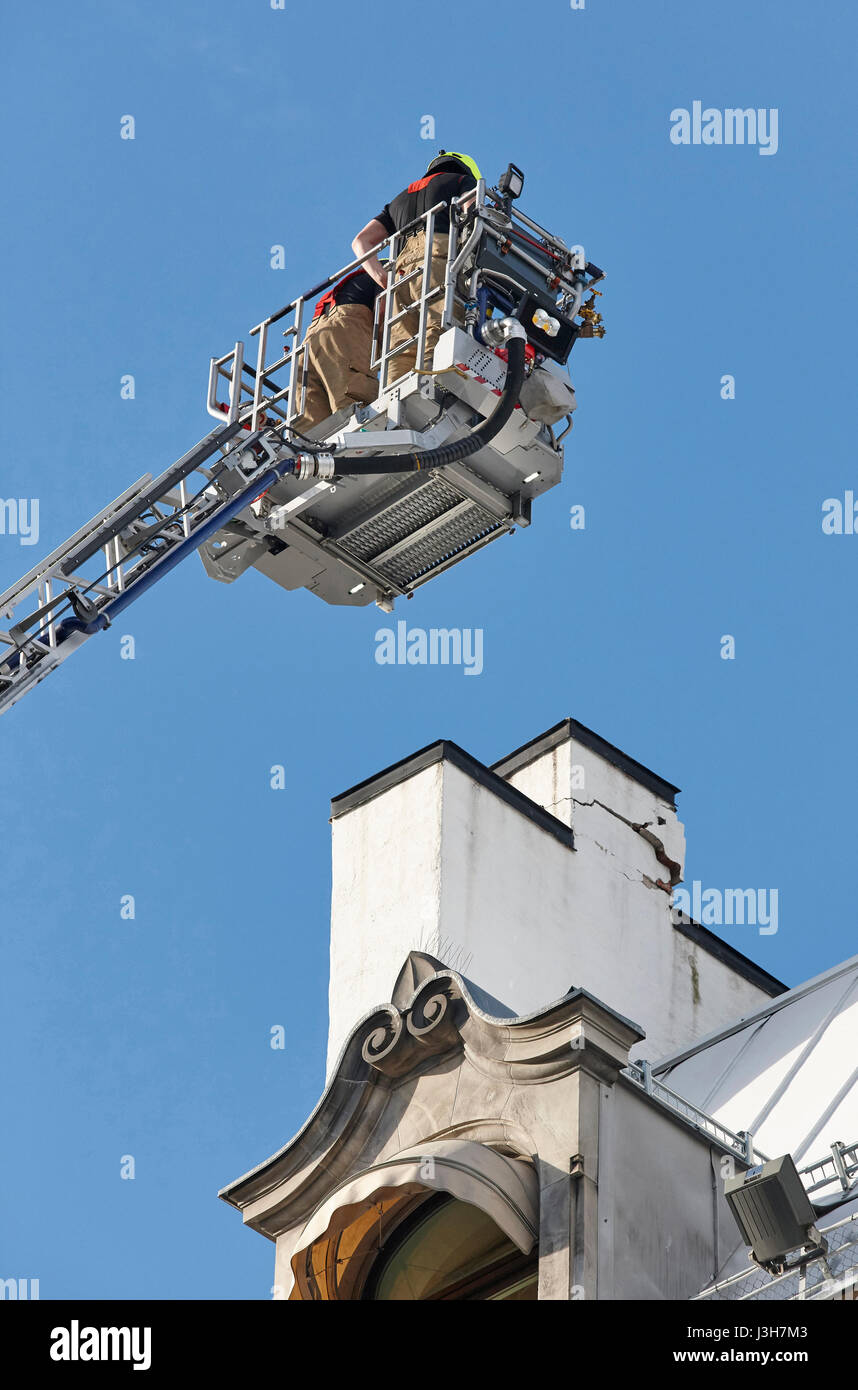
(373, 502)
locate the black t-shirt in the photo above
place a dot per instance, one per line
(423, 194)
(359, 288)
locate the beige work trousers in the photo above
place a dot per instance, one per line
(409, 259)
(337, 348)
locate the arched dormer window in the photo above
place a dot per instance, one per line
(448, 1250)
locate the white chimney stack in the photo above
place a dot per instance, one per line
(552, 869)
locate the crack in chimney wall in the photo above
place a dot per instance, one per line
(642, 828)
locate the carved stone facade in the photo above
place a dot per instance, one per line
(432, 1094)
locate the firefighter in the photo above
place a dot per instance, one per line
(448, 176)
(334, 360)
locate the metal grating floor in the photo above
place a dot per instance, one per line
(424, 554)
(419, 531)
(400, 519)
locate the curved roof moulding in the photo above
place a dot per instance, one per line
(433, 1076)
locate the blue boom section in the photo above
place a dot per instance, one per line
(180, 551)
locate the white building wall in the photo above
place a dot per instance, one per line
(507, 892)
(385, 898)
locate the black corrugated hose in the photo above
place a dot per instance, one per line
(460, 448)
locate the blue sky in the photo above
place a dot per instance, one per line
(151, 777)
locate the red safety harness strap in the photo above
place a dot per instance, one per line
(330, 298)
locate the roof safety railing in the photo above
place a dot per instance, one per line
(741, 1143)
(247, 386)
(840, 1166)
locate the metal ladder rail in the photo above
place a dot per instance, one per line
(34, 657)
(51, 588)
(70, 607)
(30, 581)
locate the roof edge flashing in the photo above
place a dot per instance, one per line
(570, 730)
(730, 955)
(447, 751)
